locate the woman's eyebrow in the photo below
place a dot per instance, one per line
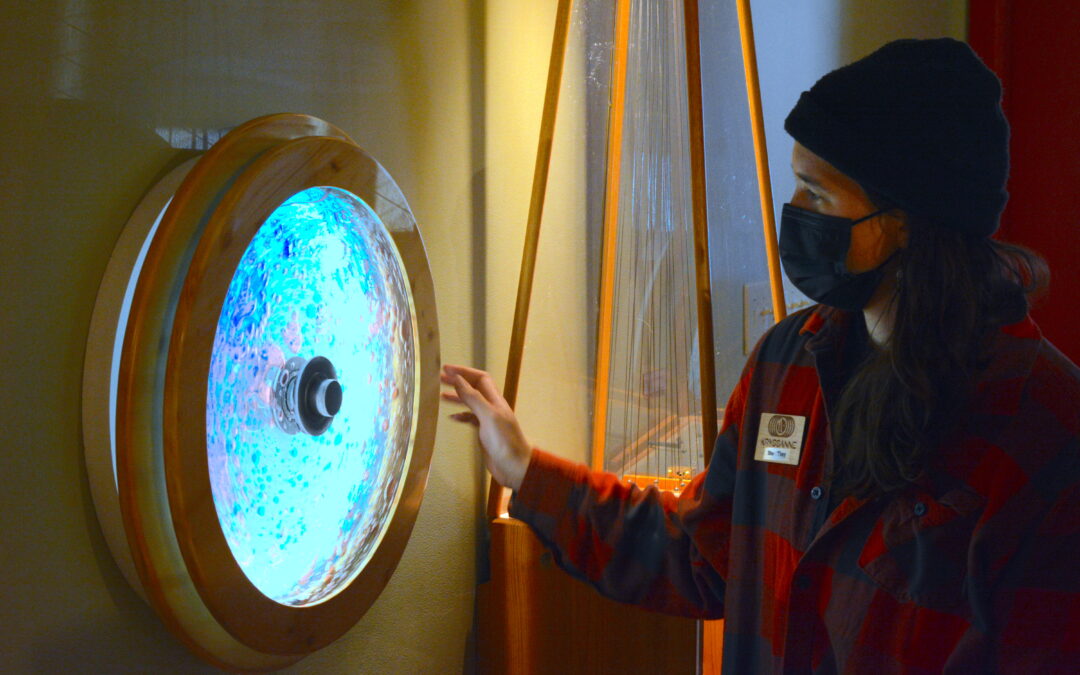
(809, 181)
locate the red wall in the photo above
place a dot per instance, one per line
(1034, 47)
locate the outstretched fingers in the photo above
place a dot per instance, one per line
(477, 379)
(472, 388)
(470, 374)
(506, 450)
(486, 386)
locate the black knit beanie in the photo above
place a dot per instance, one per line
(918, 122)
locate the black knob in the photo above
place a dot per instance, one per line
(307, 395)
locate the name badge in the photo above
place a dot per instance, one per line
(780, 438)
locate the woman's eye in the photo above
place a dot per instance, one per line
(808, 197)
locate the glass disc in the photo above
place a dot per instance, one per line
(303, 513)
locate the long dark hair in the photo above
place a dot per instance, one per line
(952, 291)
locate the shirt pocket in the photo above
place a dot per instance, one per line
(919, 546)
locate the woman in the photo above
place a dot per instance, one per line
(896, 484)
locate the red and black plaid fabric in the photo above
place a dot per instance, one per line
(975, 569)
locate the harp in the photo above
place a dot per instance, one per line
(653, 392)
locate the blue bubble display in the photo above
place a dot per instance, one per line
(303, 513)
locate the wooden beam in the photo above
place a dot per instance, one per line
(699, 205)
(610, 236)
(532, 226)
(761, 155)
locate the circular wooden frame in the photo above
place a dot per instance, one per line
(110, 311)
(235, 601)
(177, 546)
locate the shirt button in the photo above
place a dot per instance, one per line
(920, 509)
(815, 493)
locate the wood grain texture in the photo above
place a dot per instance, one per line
(712, 646)
(534, 619)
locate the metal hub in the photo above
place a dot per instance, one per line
(307, 395)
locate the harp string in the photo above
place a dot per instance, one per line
(650, 422)
(689, 336)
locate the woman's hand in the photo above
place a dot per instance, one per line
(506, 452)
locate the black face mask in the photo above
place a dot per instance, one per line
(813, 248)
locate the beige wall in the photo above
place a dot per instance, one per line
(92, 91)
(553, 402)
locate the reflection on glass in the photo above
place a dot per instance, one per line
(303, 513)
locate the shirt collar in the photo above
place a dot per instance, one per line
(1000, 385)
(826, 327)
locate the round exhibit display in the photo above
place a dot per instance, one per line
(260, 392)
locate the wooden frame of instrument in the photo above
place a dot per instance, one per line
(497, 498)
(699, 214)
(171, 539)
(711, 635)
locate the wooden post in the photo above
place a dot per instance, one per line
(532, 227)
(611, 228)
(761, 154)
(699, 204)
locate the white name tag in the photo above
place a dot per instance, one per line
(780, 438)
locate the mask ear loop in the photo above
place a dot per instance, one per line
(875, 214)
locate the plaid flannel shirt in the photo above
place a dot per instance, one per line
(974, 569)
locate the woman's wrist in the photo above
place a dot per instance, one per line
(519, 467)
